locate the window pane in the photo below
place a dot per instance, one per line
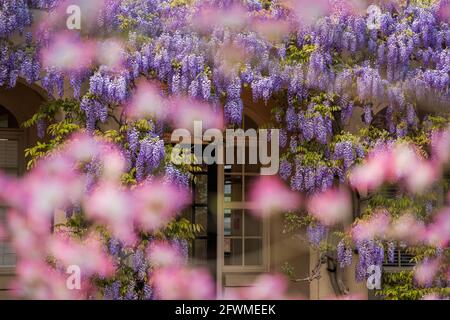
(252, 167)
(232, 251)
(233, 188)
(232, 167)
(201, 218)
(187, 213)
(249, 182)
(249, 123)
(7, 255)
(8, 153)
(201, 189)
(253, 226)
(233, 222)
(200, 251)
(253, 252)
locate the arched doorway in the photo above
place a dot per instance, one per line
(16, 106)
(11, 163)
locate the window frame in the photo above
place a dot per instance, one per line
(19, 136)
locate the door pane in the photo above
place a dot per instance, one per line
(233, 188)
(253, 252)
(253, 226)
(200, 251)
(232, 251)
(201, 218)
(9, 153)
(233, 222)
(201, 189)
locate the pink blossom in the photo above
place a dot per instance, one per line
(269, 195)
(63, 16)
(112, 205)
(229, 57)
(209, 17)
(68, 52)
(89, 255)
(438, 232)
(431, 296)
(407, 228)
(371, 174)
(29, 242)
(147, 101)
(184, 111)
(416, 172)
(265, 287)
(440, 142)
(308, 11)
(423, 175)
(37, 280)
(155, 203)
(425, 271)
(2, 232)
(444, 11)
(163, 254)
(82, 147)
(331, 207)
(52, 184)
(270, 29)
(376, 226)
(354, 296)
(113, 165)
(111, 53)
(180, 283)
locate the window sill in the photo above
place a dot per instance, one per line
(7, 270)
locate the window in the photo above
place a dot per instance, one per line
(198, 213)
(243, 242)
(402, 259)
(10, 164)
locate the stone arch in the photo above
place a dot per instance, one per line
(22, 102)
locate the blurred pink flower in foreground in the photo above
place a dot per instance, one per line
(370, 175)
(438, 232)
(229, 57)
(147, 101)
(433, 296)
(110, 53)
(376, 226)
(425, 271)
(89, 255)
(209, 17)
(52, 184)
(155, 203)
(163, 254)
(64, 16)
(440, 142)
(2, 232)
(184, 111)
(37, 280)
(347, 297)
(331, 207)
(269, 195)
(407, 228)
(68, 52)
(271, 30)
(399, 163)
(265, 287)
(109, 204)
(444, 11)
(308, 11)
(179, 283)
